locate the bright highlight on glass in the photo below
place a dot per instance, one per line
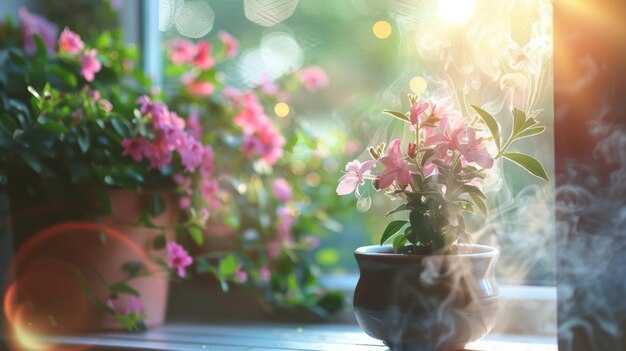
(281, 109)
(418, 85)
(382, 29)
(455, 11)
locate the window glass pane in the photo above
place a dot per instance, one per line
(375, 53)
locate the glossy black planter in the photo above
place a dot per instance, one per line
(429, 302)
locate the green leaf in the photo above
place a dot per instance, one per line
(63, 75)
(228, 266)
(144, 220)
(122, 288)
(132, 268)
(34, 92)
(392, 228)
(159, 242)
(403, 207)
(158, 205)
(530, 132)
(519, 118)
(399, 241)
(83, 283)
(18, 58)
(529, 163)
(480, 203)
(42, 50)
(196, 234)
(465, 205)
(54, 127)
(31, 160)
(529, 123)
(491, 123)
(399, 115)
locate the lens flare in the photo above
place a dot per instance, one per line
(455, 11)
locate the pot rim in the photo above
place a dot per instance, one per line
(383, 251)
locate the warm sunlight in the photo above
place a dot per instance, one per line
(455, 11)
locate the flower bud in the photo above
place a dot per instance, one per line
(412, 152)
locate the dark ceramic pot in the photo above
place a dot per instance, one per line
(426, 302)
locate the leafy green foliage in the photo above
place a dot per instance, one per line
(527, 162)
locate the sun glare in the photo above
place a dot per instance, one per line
(455, 11)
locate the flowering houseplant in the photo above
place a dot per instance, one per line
(440, 290)
(77, 123)
(440, 175)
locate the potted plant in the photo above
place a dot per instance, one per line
(90, 148)
(428, 285)
(82, 142)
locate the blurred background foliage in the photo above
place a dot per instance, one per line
(368, 72)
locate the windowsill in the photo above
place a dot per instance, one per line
(534, 305)
(266, 337)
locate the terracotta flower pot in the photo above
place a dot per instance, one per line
(426, 302)
(46, 287)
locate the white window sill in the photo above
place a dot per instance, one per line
(266, 337)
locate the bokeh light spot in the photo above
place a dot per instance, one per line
(382, 29)
(281, 109)
(418, 85)
(269, 12)
(313, 179)
(195, 19)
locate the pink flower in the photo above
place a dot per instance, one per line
(210, 191)
(190, 154)
(34, 24)
(475, 151)
(177, 258)
(89, 64)
(194, 125)
(268, 86)
(252, 116)
(240, 275)
(134, 148)
(412, 150)
(265, 273)
(146, 104)
(284, 233)
(159, 152)
(134, 306)
(199, 88)
(267, 143)
(203, 57)
(230, 43)
(416, 110)
(447, 138)
(232, 94)
(313, 78)
(183, 51)
(281, 189)
(355, 175)
(207, 163)
(70, 42)
(184, 202)
(396, 168)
